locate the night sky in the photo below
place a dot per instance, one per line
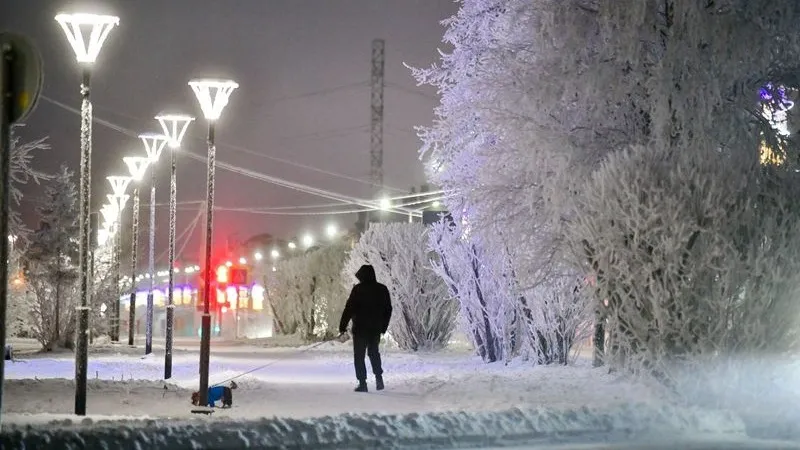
(303, 67)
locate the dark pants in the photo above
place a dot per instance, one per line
(227, 397)
(366, 345)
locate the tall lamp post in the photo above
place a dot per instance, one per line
(119, 184)
(213, 97)
(86, 48)
(137, 165)
(175, 126)
(153, 145)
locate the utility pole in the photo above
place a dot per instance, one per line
(376, 120)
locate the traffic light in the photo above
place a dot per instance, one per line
(238, 276)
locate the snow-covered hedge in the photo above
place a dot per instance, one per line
(368, 431)
(424, 314)
(696, 254)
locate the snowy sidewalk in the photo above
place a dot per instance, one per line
(311, 384)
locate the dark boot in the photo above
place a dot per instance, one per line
(362, 387)
(378, 382)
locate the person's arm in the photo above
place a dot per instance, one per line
(347, 314)
(387, 310)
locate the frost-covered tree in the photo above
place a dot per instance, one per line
(22, 171)
(562, 122)
(51, 259)
(501, 318)
(479, 280)
(306, 293)
(424, 313)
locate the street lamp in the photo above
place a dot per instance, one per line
(119, 184)
(137, 165)
(213, 97)
(153, 145)
(331, 231)
(258, 256)
(174, 126)
(308, 241)
(275, 254)
(86, 49)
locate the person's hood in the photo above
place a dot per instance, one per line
(366, 274)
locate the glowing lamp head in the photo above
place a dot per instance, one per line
(118, 184)
(275, 254)
(331, 231)
(213, 95)
(86, 33)
(242, 260)
(174, 126)
(385, 204)
(137, 166)
(308, 241)
(258, 256)
(118, 201)
(153, 144)
(292, 246)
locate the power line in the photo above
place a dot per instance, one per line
(133, 134)
(256, 175)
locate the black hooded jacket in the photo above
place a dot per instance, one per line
(369, 305)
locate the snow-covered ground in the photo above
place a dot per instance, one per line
(304, 382)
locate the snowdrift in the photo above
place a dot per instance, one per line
(433, 430)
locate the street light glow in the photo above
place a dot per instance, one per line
(174, 126)
(385, 204)
(292, 245)
(118, 201)
(242, 260)
(331, 231)
(436, 204)
(213, 95)
(228, 263)
(86, 48)
(153, 144)
(258, 256)
(137, 166)
(119, 184)
(308, 241)
(275, 254)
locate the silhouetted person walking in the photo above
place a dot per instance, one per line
(370, 308)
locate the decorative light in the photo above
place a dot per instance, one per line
(118, 201)
(86, 47)
(153, 145)
(258, 256)
(331, 231)
(213, 95)
(275, 254)
(102, 236)
(174, 126)
(119, 184)
(137, 166)
(109, 213)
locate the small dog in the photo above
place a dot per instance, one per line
(216, 393)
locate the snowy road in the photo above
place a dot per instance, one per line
(304, 384)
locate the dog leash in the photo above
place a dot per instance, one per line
(310, 347)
